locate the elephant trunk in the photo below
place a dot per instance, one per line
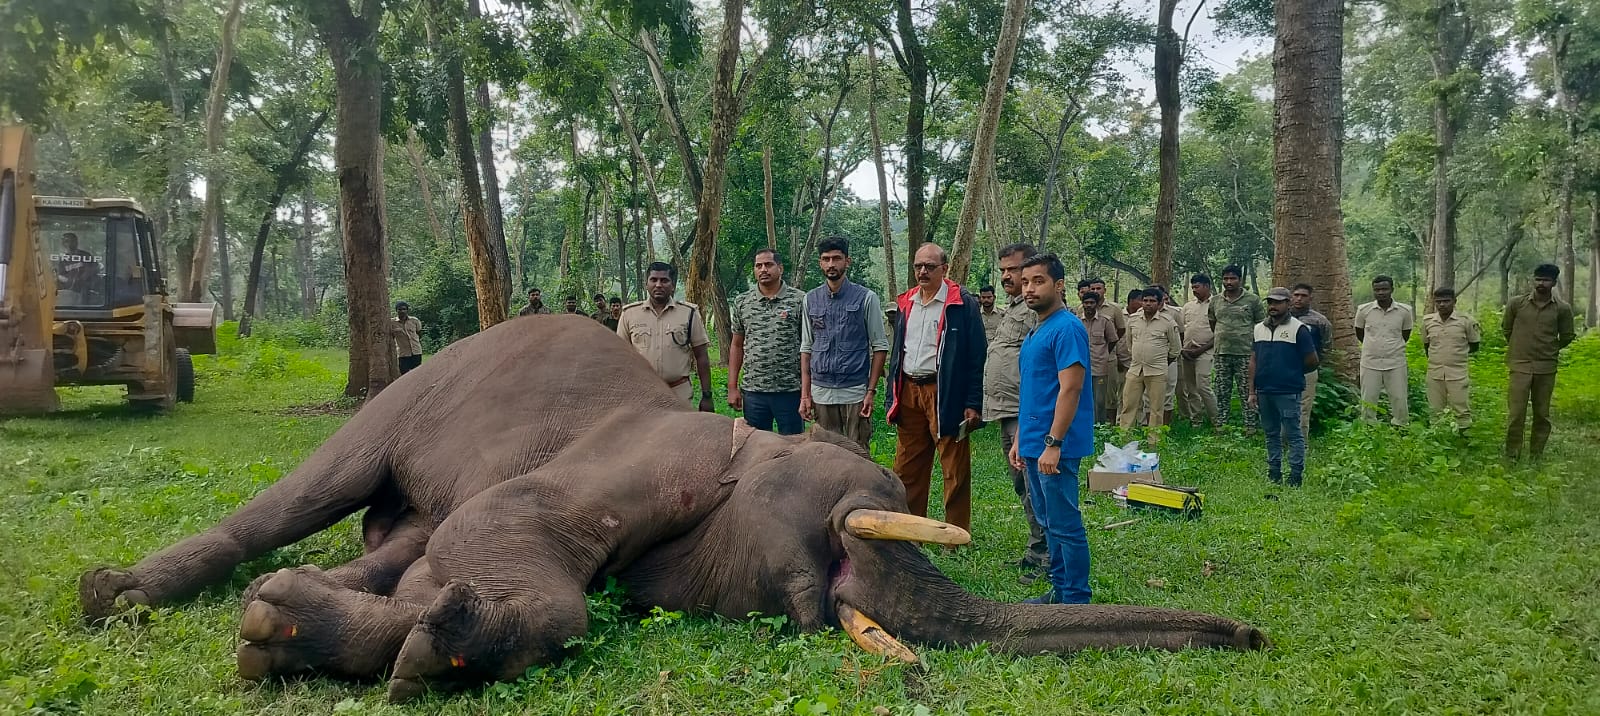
(896, 585)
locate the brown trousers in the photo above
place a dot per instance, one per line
(913, 456)
(845, 419)
(1525, 387)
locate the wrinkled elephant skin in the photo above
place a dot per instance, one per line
(521, 467)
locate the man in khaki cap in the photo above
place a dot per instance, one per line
(670, 335)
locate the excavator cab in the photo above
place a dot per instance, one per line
(83, 299)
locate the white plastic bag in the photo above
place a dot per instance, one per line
(1118, 459)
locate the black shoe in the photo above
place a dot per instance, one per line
(1275, 478)
(1294, 480)
(1046, 598)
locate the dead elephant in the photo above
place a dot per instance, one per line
(524, 465)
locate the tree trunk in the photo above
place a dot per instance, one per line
(1016, 15)
(283, 180)
(1442, 267)
(170, 223)
(674, 116)
(491, 177)
(1567, 103)
(766, 196)
(877, 166)
(352, 42)
(1167, 62)
(488, 282)
(649, 170)
(414, 153)
(224, 266)
(1052, 173)
(703, 287)
(1516, 230)
(1308, 131)
(216, 108)
(303, 254)
(1592, 316)
(915, 68)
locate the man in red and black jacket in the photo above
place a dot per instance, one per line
(936, 385)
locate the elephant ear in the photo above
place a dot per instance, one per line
(819, 434)
(741, 434)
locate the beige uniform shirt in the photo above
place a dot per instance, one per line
(1449, 342)
(1002, 373)
(1102, 343)
(407, 336)
(1195, 323)
(1155, 343)
(666, 338)
(922, 333)
(991, 319)
(1384, 347)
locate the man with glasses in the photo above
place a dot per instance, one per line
(670, 335)
(935, 385)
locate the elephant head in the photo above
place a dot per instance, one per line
(816, 531)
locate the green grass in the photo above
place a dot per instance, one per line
(1411, 574)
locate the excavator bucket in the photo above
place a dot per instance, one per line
(27, 288)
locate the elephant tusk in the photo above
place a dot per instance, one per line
(871, 637)
(882, 524)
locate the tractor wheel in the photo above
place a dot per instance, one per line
(184, 364)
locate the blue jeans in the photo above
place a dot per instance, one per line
(1055, 503)
(1280, 420)
(762, 409)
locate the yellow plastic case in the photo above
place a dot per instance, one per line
(1186, 500)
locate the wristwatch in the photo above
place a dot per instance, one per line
(1051, 441)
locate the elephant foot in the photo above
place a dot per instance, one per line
(300, 620)
(104, 593)
(465, 639)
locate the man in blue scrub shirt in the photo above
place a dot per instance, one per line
(1055, 426)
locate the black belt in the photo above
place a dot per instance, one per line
(928, 379)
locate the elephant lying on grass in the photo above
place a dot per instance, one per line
(523, 466)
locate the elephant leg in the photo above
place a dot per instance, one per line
(464, 637)
(513, 562)
(304, 621)
(379, 570)
(334, 482)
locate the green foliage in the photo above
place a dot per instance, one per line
(43, 45)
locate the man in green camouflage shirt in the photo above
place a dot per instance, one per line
(765, 350)
(1234, 316)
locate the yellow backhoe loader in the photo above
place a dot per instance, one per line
(83, 300)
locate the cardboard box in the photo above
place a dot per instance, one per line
(1108, 481)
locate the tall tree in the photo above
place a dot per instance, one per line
(446, 33)
(877, 165)
(702, 286)
(1307, 138)
(284, 176)
(216, 107)
(982, 166)
(350, 33)
(494, 211)
(1167, 64)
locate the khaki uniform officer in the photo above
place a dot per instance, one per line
(671, 336)
(1449, 338)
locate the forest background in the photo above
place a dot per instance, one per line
(308, 162)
